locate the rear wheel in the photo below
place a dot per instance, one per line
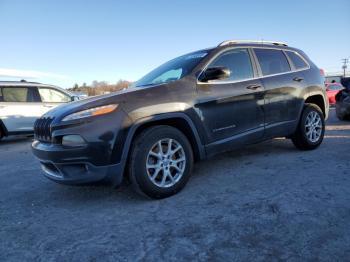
(310, 132)
(161, 161)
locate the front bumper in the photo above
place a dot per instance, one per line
(72, 166)
(98, 157)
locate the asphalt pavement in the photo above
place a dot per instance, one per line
(266, 202)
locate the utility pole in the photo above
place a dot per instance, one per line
(345, 65)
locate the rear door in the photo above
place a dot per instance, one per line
(19, 108)
(283, 85)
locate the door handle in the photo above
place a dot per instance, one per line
(48, 106)
(253, 87)
(298, 79)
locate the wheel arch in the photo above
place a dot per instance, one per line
(179, 121)
(318, 100)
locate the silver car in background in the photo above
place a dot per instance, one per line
(22, 102)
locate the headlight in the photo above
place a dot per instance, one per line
(96, 111)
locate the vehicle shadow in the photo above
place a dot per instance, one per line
(16, 139)
(100, 191)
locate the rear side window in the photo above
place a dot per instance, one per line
(49, 95)
(238, 62)
(17, 94)
(1, 97)
(298, 62)
(272, 61)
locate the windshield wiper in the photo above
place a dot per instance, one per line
(148, 84)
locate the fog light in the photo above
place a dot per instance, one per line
(73, 140)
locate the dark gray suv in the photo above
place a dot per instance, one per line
(190, 108)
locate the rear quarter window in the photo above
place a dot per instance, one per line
(297, 60)
(272, 61)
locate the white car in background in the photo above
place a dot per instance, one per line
(21, 103)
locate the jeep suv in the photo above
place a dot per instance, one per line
(188, 109)
(22, 102)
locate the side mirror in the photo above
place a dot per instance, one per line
(215, 73)
(75, 98)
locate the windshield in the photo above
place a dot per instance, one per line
(172, 70)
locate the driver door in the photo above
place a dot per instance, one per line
(232, 109)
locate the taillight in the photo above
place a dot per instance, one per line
(322, 72)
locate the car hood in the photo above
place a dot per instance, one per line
(118, 97)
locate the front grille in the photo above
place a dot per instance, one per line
(42, 129)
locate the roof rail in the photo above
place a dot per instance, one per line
(20, 81)
(263, 42)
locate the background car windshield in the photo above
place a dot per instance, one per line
(172, 70)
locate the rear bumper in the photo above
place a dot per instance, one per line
(72, 166)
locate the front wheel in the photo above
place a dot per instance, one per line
(161, 161)
(310, 132)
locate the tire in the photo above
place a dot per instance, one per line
(302, 138)
(340, 115)
(146, 161)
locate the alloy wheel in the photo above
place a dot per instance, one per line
(313, 126)
(166, 162)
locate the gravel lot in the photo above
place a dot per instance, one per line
(267, 202)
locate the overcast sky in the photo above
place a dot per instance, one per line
(65, 42)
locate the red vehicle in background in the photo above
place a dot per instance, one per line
(332, 89)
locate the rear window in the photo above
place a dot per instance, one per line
(332, 79)
(296, 59)
(334, 87)
(17, 94)
(272, 61)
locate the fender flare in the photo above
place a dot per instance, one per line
(155, 118)
(325, 101)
